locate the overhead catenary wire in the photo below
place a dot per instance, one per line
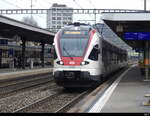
(82, 8)
(16, 6)
(42, 4)
(10, 3)
(91, 3)
(77, 4)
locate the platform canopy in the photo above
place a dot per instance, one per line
(133, 28)
(10, 28)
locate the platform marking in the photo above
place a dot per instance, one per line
(105, 97)
(146, 103)
(147, 95)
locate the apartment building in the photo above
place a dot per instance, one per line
(58, 16)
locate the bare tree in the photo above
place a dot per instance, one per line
(30, 21)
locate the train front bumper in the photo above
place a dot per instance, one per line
(74, 75)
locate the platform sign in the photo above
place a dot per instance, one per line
(130, 35)
(74, 32)
(138, 50)
(137, 35)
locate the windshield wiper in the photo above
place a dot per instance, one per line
(68, 53)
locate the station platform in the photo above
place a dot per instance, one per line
(8, 73)
(125, 95)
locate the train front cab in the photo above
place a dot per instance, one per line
(88, 70)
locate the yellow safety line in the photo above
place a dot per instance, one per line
(146, 104)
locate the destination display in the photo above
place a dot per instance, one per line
(75, 32)
(137, 35)
(72, 32)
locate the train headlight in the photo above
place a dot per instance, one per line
(60, 62)
(84, 63)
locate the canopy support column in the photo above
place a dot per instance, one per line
(146, 61)
(42, 54)
(23, 53)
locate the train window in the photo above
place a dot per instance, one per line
(73, 47)
(94, 53)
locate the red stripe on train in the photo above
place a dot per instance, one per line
(72, 61)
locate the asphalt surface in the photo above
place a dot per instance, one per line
(128, 96)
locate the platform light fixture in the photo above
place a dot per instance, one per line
(119, 28)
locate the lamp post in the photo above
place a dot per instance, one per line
(31, 8)
(144, 5)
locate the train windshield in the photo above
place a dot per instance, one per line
(73, 43)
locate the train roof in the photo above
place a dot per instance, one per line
(82, 26)
(110, 43)
(117, 48)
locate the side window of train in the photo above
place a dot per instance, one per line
(94, 53)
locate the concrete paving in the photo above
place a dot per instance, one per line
(7, 70)
(128, 96)
(15, 73)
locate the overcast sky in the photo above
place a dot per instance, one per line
(99, 4)
(114, 4)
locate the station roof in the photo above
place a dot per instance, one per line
(122, 23)
(10, 28)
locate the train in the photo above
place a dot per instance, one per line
(82, 57)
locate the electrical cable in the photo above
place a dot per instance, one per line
(10, 3)
(91, 3)
(77, 4)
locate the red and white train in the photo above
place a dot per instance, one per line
(83, 57)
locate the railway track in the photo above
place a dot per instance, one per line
(66, 107)
(24, 98)
(56, 98)
(16, 85)
(59, 100)
(37, 103)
